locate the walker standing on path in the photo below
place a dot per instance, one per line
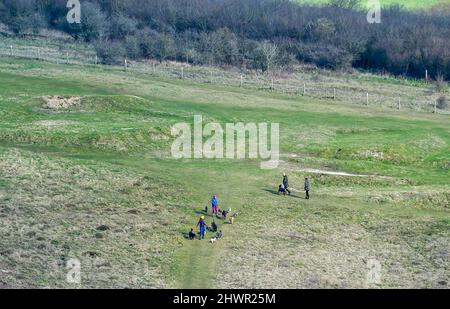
(215, 205)
(202, 227)
(286, 183)
(307, 188)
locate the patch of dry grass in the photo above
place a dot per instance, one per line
(119, 225)
(313, 245)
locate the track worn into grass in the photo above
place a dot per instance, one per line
(198, 260)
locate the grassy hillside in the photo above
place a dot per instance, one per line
(96, 182)
(409, 4)
(343, 88)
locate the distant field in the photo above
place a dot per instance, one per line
(409, 4)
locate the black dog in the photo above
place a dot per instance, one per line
(224, 214)
(191, 234)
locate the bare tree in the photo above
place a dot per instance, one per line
(270, 53)
(441, 84)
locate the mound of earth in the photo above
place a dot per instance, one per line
(59, 102)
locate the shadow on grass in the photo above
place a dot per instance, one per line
(275, 192)
(201, 212)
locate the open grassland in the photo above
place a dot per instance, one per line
(304, 80)
(95, 181)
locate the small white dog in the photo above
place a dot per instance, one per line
(213, 240)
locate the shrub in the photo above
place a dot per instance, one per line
(110, 52)
(121, 26)
(133, 47)
(442, 103)
(93, 24)
(441, 84)
(329, 57)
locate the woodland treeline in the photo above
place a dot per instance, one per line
(255, 34)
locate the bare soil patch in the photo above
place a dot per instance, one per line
(54, 123)
(60, 102)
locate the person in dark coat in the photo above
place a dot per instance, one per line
(286, 183)
(213, 226)
(307, 188)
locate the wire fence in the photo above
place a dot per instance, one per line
(337, 88)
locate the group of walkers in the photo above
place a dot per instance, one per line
(202, 226)
(284, 187)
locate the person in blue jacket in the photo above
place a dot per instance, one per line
(215, 205)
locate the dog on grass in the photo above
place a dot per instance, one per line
(233, 217)
(213, 240)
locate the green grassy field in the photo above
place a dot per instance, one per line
(408, 4)
(96, 182)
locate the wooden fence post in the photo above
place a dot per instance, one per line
(367, 99)
(126, 64)
(96, 59)
(182, 72)
(435, 106)
(334, 93)
(304, 88)
(242, 81)
(67, 57)
(398, 105)
(11, 50)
